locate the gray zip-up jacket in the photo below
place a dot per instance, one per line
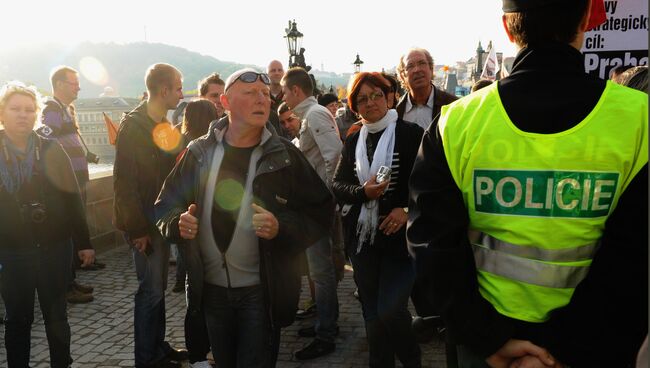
(319, 138)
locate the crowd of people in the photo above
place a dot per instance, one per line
(514, 218)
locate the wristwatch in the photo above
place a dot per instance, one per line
(406, 209)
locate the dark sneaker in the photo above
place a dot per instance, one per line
(179, 355)
(311, 331)
(308, 310)
(99, 265)
(179, 287)
(84, 289)
(75, 297)
(316, 349)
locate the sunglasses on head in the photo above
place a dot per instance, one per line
(251, 77)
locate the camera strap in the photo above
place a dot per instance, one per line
(66, 113)
(36, 170)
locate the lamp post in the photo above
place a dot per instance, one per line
(357, 64)
(294, 44)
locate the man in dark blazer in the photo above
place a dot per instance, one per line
(423, 100)
(420, 104)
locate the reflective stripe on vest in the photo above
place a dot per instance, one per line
(524, 263)
(580, 253)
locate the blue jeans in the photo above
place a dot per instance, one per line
(238, 326)
(46, 270)
(321, 270)
(149, 312)
(181, 269)
(385, 280)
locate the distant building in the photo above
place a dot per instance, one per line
(91, 120)
(476, 63)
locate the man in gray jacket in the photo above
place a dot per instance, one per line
(320, 142)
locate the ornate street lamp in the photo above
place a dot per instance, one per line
(294, 43)
(357, 64)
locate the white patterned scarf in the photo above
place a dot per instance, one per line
(383, 156)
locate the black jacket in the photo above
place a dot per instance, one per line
(66, 215)
(607, 318)
(349, 191)
(440, 99)
(285, 184)
(139, 172)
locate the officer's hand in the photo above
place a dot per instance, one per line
(530, 361)
(514, 349)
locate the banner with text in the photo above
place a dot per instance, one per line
(621, 40)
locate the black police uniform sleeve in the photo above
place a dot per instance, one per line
(437, 237)
(606, 320)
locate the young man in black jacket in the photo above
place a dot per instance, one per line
(145, 153)
(508, 292)
(244, 203)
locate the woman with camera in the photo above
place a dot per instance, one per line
(41, 213)
(371, 184)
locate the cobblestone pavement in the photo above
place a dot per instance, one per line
(102, 331)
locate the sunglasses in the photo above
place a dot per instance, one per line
(251, 77)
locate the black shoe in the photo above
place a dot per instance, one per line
(75, 297)
(179, 355)
(99, 265)
(91, 267)
(179, 287)
(317, 348)
(84, 289)
(311, 331)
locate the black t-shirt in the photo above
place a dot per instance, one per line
(228, 193)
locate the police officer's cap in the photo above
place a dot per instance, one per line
(513, 6)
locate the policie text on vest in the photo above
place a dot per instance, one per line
(577, 194)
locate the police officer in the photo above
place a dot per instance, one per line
(529, 206)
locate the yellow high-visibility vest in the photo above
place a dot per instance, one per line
(538, 202)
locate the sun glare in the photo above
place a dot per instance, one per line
(166, 137)
(93, 70)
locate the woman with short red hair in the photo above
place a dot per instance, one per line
(374, 218)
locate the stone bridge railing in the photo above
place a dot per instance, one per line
(99, 212)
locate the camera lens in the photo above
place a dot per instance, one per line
(38, 215)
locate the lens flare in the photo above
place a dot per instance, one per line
(166, 137)
(228, 194)
(93, 70)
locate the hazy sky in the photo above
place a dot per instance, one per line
(252, 31)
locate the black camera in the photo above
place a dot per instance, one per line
(92, 158)
(34, 212)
